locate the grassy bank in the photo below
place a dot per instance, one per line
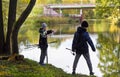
(29, 68)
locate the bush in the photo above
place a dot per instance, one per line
(118, 22)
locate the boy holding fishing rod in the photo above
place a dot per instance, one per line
(43, 44)
(80, 46)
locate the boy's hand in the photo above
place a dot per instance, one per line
(53, 31)
(94, 50)
(74, 50)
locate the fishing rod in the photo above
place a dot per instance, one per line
(52, 42)
(71, 51)
(34, 45)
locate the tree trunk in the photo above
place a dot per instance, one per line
(18, 24)
(1, 30)
(11, 21)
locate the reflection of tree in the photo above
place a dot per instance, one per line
(59, 40)
(109, 54)
(57, 43)
(32, 36)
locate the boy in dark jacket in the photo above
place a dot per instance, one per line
(43, 44)
(80, 46)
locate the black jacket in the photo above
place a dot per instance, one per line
(81, 37)
(43, 38)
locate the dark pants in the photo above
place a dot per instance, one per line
(43, 54)
(87, 58)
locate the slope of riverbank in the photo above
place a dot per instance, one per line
(29, 68)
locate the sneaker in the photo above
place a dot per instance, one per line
(42, 64)
(91, 73)
(73, 73)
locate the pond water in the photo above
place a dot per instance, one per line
(105, 60)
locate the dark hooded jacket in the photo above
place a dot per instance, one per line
(80, 40)
(43, 38)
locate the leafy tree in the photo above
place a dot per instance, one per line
(108, 8)
(109, 54)
(9, 42)
(58, 1)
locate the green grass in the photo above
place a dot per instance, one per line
(29, 68)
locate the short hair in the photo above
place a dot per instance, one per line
(84, 24)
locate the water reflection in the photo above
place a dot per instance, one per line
(109, 48)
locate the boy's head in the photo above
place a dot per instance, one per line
(84, 24)
(44, 25)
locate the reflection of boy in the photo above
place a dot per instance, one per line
(80, 46)
(43, 44)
